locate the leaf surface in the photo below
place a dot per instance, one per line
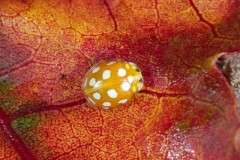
(186, 110)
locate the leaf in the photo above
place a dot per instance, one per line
(186, 111)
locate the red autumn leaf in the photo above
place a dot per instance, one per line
(186, 111)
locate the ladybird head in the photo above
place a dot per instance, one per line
(135, 76)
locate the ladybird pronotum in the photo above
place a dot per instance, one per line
(109, 84)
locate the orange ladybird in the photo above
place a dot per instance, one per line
(109, 84)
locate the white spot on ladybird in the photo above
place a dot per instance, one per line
(106, 104)
(132, 64)
(112, 93)
(110, 63)
(95, 70)
(92, 82)
(96, 95)
(130, 79)
(125, 86)
(106, 74)
(121, 72)
(140, 87)
(122, 101)
(98, 84)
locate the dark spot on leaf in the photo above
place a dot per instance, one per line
(63, 76)
(224, 66)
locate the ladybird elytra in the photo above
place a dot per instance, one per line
(109, 84)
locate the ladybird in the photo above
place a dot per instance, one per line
(109, 84)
